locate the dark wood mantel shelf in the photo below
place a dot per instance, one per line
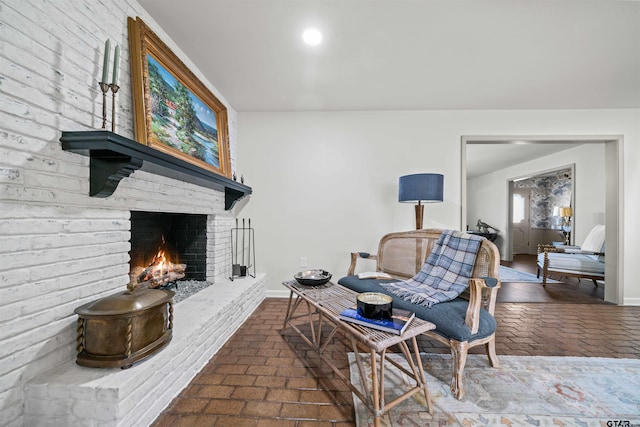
(114, 157)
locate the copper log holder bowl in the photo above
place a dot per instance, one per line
(122, 329)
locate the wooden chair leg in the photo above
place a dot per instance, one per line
(545, 272)
(459, 359)
(544, 275)
(490, 347)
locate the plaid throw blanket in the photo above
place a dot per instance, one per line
(445, 274)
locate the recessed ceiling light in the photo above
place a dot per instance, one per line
(312, 37)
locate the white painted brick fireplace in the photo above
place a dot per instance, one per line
(61, 248)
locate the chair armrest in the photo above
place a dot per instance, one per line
(491, 282)
(565, 250)
(482, 293)
(354, 259)
(549, 248)
(567, 246)
(581, 251)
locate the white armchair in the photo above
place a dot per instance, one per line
(584, 262)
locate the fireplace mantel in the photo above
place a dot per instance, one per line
(114, 157)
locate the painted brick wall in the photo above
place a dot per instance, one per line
(60, 248)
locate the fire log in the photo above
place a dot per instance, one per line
(155, 270)
(156, 282)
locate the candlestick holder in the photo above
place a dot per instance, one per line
(114, 88)
(104, 87)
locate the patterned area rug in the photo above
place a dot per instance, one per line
(524, 391)
(508, 274)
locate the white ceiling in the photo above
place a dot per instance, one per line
(488, 157)
(412, 54)
(415, 55)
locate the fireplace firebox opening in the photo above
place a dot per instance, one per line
(175, 239)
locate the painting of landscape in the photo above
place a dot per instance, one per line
(179, 119)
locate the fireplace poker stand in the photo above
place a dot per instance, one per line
(243, 250)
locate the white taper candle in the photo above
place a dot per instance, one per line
(105, 66)
(116, 65)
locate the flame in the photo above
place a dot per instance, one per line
(162, 269)
(159, 266)
(161, 263)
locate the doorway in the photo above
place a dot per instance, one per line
(536, 202)
(521, 220)
(612, 165)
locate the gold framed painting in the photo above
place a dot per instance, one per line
(173, 110)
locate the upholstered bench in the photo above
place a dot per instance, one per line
(583, 262)
(462, 323)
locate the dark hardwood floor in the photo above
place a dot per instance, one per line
(570, 291)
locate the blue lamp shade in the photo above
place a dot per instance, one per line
(421, 187)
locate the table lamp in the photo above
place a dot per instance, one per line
(421, 187)
(566, 214)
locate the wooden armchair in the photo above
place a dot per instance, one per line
(583, 262)
(462, 323)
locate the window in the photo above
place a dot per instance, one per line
(518, 208)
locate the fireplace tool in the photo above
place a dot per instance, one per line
(243, 266)
(235, 267)
(243, 250)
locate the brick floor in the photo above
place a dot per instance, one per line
(263, 377)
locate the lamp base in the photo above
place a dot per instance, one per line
(419, 215)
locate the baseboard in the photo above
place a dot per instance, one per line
(632, 301)
(278, 293)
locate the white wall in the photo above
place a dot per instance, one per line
(60, 248)
(487, 195)
(325, 183)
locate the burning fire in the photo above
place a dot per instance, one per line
(161, 271)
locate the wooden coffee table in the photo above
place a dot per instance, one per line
(318, 306)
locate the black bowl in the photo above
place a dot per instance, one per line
(375, 305)
(313, 277)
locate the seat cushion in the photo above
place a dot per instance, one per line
(447, 316)
(573, 263)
